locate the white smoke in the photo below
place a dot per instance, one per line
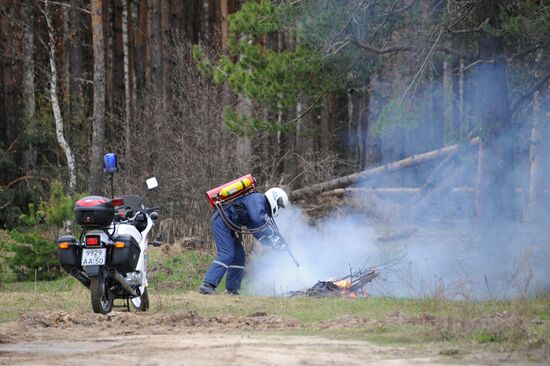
(450, 254)
(437, 260)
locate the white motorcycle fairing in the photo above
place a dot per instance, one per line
(141, 238)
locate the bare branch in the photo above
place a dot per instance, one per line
(403, 8)
(402, 48)
(514, 106)
(324, 92)
(7, 203)
(418, 75)
(527, 52)
(67, 5)
(475, 63)
(479, 28)
(382, 51)
(20, 179)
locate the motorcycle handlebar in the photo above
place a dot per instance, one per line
(151, 210)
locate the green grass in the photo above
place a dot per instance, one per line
(449, 352)
(455, 327)
(182, 271)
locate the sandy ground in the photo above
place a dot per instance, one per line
(187, 338)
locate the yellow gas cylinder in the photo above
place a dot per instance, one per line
(231, 190)
(235, 187)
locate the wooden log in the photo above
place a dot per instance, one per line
(412, 191)
(428, 199)
(366, 191)
(370, 173)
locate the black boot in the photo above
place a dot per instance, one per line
(207, 289)
(232, 291)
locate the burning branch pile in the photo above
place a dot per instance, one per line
(352, 285)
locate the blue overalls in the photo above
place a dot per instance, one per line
(251, 211)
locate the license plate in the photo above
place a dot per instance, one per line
(94, 257)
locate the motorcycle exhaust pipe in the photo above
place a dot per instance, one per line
(81, 277)
(122, 282)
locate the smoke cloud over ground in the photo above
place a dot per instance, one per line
(456, 247)
(437, 260)
(450, 252)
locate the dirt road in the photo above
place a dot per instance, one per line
(186, 338)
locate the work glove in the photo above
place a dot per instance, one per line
(279, 243)
(273, 240)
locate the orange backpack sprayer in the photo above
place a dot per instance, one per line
(229, 191)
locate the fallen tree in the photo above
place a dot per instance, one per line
(398, 191)
(374, 172)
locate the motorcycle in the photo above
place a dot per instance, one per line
(110, 256)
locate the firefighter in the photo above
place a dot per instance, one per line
(254, 211)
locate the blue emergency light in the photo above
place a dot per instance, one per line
(110, 163)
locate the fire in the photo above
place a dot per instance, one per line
(343, 284)
(345, 288)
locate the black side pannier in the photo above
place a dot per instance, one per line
(68, 252)
(94, 211)
(125, 259)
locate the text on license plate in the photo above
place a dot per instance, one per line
(94, 257)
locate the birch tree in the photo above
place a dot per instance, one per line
(56, 107)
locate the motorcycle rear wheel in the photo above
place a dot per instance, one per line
(101, 302)
(141, 303)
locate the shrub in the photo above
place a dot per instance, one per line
(32, 256)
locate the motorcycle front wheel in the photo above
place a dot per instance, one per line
(141, 303)
(101, 302)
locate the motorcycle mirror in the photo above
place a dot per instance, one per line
(152, 183)
(154, 216)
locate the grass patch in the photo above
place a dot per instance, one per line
(181, 271)
(449, 352)
(175, 277)
(487, 337)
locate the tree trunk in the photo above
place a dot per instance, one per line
(98, 131)
(224, 24)
(450, 133)
(177, 19)
(538, 205)
(166, 43)
(463, 122)
(108, 60)
(204, 20)
(63, 29)
(141, 54)
(155, 41)
(244, 145)
(127, 79)
(56, 107)
(119, 87)
(28, 61)
(28, 81)
(10, 33)
(75, 57)
(3, 114)
(496, 198)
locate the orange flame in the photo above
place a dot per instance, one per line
(343, 284)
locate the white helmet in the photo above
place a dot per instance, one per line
(277, 198)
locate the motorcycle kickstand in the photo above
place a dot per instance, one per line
(128, 305)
